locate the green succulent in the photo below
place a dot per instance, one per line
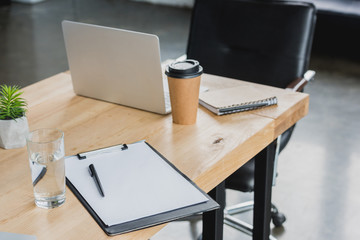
(12, 106)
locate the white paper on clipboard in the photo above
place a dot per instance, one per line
(137, 183)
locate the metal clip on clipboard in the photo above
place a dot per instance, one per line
(82, 156)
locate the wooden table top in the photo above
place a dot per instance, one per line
(206, 152)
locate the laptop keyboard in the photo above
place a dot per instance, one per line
(167, 100)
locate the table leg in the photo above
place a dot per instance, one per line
(264, 166)
(213, 221)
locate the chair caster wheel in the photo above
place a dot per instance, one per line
(278, 219)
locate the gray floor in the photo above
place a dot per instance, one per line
(318, 183)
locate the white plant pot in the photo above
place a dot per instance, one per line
(13, 133)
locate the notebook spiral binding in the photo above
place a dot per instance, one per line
(268, 101)
(248, 106)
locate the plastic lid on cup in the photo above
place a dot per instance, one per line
(184, 69)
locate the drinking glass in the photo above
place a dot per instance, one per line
(46, 156)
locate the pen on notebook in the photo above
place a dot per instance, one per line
(94, 175)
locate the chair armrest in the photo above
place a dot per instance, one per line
(298, 84)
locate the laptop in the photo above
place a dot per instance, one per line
(117, 66)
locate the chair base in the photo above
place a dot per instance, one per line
(277, 217)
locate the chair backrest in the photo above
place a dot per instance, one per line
(266, 42)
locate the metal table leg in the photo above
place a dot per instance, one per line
(213, 221)
(264, 165)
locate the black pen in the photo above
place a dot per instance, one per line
(94, 175)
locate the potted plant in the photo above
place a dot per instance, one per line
(13, 122)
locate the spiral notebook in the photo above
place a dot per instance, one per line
(236, 99)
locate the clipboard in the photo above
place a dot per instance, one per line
(165, 206)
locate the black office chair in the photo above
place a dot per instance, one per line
(267, 42)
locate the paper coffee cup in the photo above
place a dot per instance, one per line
(184, 84)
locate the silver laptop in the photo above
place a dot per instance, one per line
(117, 66)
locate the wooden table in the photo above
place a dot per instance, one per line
(206, 152)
